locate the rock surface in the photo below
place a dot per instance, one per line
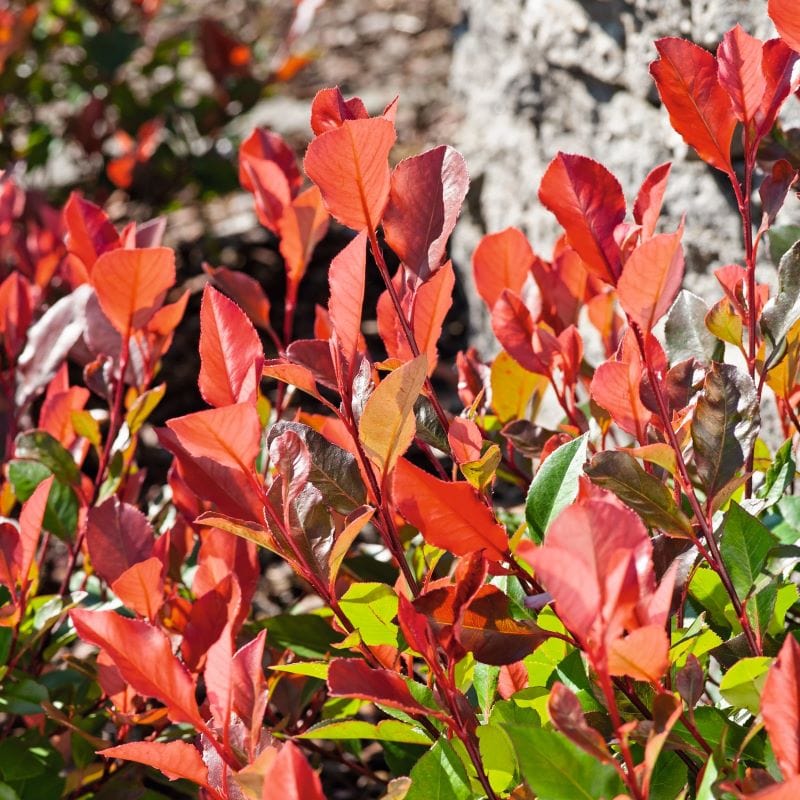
(537, 76)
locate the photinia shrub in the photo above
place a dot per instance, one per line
(489, 607)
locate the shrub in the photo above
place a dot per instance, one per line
(630, 631)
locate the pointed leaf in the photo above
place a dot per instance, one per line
(245, 291)
(439, 775)
(686, 331)
(301, 228)
(780, 707)
(699, 108)
(89, 232)
(141, 587)
(642, 655)
(740, 72)
(568, 717)
(501, 260)
(745, 544)
(350, 166)
(143, 655)
(647, 207)
(783, 311)
(387, 424)
(231, 356)
(424, 202)
(725, 423)
(175, 759)
(431, 304)
(448, 515)
(131, 284)
(644, 493)
(555, 485)
(587, 201)
(651, 278)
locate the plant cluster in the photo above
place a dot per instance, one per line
(631, 632)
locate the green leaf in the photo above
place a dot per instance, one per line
(745, 544)
(669, 777)
(42, 447)
(556, 769)
(686, 332)
(307, 635)
(724, 425)
(782, 311)
(779, 476)
(555, 485)
(497, 756)
(706, 790)
(707, 591)
(24, 697)
(439, 775)
(387, 730)
(742, 684)
(781, 239)
(61, 511)
(371, 607)
(622, 474)
(786, 597)
(484, 680)
(312, 669)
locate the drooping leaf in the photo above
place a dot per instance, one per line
(745, 544)
(175, 759)
(229, 435)
(779, 62)
(131, 284)
(725, 423)
(651, 277)
(143, 655)
(350, 166)
(588, 203)
(739, 57)
(118, 536)
(784, 14)
(686, 332)
(649, 497)
(780, 707)
(244, 290)
(699, 108)
(448, 514)
(424, 202)
(347, 279)
(501, 260)
(387, 424)
(231, 356)
(555, 485)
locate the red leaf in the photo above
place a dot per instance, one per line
(615, 387)
(230, 435)
(699, 108)
(350, 677)
(131, 284)
(89, 232)
(778, 63)
(329, 110)
(31, 519)
(266, 145)
(587, 201)
(430, 305)
(350, 166)
(302, 227)
(501, 261)
(448, 515)
(175, 759)
(651, 278)
(642, 655)
(16, 313)
(532, 346)
(739, 59)
(512, 679)
(56, 414)
(245, 291)
(465, 439)
(271, 191)
(118, 536)
(291, 776)
(141, 587)
(143, 655)
(424, 202)
(347, 278)
(207, 619)
(249, 684)
(568, 717)
(647, 208)
(784, 14)
(231, 356)
(780, 707)
(218, 676)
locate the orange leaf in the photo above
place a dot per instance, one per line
(651, 278)
(231, 356)
(642, 655)
(784, 15)
(387, 426)
(350, 166)
(780, 707)
(175, 759)
(615, 387)
(291, 774)
(302, 227)
(448, 515)
(501, 261)
(231, 435)
(740, 57)
(587, 201)
(141, 587)
(131, 284)
(245, 291)
(699, 108)
(89, 231)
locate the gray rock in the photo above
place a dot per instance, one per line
(536, 76)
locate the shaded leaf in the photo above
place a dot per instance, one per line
(686, 332)
(745, 544)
